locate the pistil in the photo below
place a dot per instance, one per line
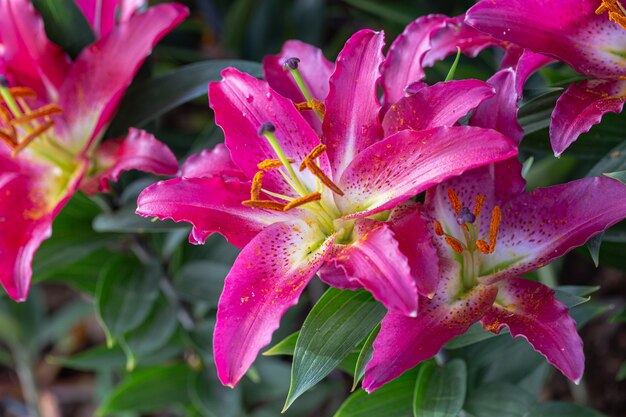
(292, 64)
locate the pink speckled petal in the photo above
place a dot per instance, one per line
(214, 162)
(98, 78)
(544, 224)
(403, 65)
(409, 162)
(580, 107)
(314, 68)
(352, 121)
(242, 104)
(530, 310)
(376, 262)
(266, 279)
(442, 104)
(403, 342)
(211, 205)
(411, 229)
(29, 58)
(457, 33)
(30, 199)
(139, 150)
(568, 30)
(100, 14)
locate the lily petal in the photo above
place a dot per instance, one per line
(544, 224)
(442, 104)
(139, 150)
(98, 78)
(242, 104)
(409, 162)
(100, 15)
(352, 121)
(215, 162)
(32, 195)
(266, 279)
(403, 342)
(568, 30)
(403, 65)
(376, 262)
(530, 310)
(580, 107)
(30, 59)
(211, 205)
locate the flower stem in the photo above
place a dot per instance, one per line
(24, 369)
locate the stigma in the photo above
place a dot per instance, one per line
(616, 11)
(19, 124)
(470, 240)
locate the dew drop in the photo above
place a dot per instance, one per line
(249, 98)
(268, 95)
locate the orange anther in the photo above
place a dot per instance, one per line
(455, 244)
(317, 171)
(454, 201)
(438, 228)
(264, 204)
(318, 105)
(303, 106)
(23, 92)
(496, 217)
(478, 204)
(302, 200)
(312, 156)
(39, 130)
(257, 183)
(616, 11)
(270, 164)
(8, 138)
(47, 110)
(483, 247)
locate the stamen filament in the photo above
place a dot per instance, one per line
(296, 184)
(292, 65)
(32, 136)
(277, 195)
(317, 171)
(47, 110)
(10, 101)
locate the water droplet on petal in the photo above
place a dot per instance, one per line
(249, 98)
(268, 95)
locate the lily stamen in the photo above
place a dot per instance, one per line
(312, 156)
(616, 12)
(44, 111)
(317, 171)
(257, 184)
(34, 134)
(270, 164)
(478, 204)
(455, 244)
(264, 204)
(454, 201)
(302, 201)
(494, 226)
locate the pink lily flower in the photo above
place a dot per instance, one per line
(307, 185)
(588, 35)
(53, 114)
(488, 232)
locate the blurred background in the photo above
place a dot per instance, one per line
(106, 268)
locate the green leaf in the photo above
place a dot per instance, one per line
(285, 347)
(150, 389)
(476, 333)
(213, 399)
(365, 355)
(151, 99)
(621, 373)
(125, 295)
(499, 400)
(613, 161)
(63, 320)
(455, 64)
(202, 281)
(440, 391)
(126, 221)
(382, 9)
(65, 25)
(534, 115)
(154, 332)
(562, 409)
(394, 399)
(338, 322)
(593, 245)
(619, 175)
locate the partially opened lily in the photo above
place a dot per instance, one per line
(488, 233)
(589, 35)
(53, 113)
(297, 202)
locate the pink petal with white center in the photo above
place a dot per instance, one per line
(457, 34)
(442, 104)
(139, 150)
(375, 261)
(242, 104)
(409, 162)
(580, 107)
(530, 310)
(568, 30)
(267, 278)
(30, 59)
(214, 162)
(403, 65)
(32, 194)
(403, 342)
(544, 224)
(97, 80)
(314, 68)
(410, 227)
(211, 205)
(100, 14)
(352, 120)
(500, 111)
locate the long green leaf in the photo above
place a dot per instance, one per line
(365, 355)
(338, 322)
(562, 409)
(499, 400)
(65, 25)
(441, 393)
(150, 99)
